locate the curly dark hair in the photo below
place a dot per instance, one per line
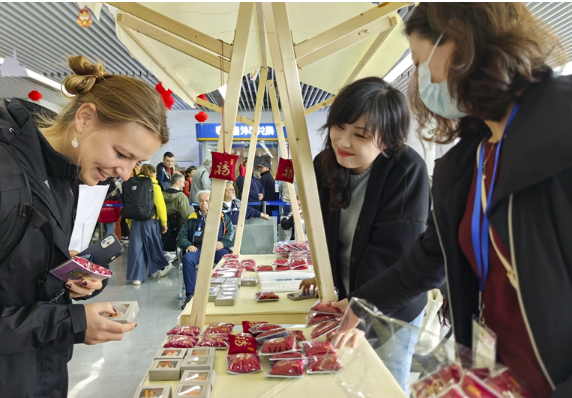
(386, 118)
(500, 50)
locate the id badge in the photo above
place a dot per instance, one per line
(198, 233)
(484, 345)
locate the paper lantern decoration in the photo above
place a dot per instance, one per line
(285, 170)
(201, 117)
(35, 95)
(224, 166)
(84, 19)
(203, 97)
(166, 95)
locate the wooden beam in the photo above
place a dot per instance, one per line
(250, 164)
(261, 34)
(282, 143)
(346, 34)
(372, 50)
(284, 60)
(218, 109)
(177, 28)
(234, 84)
(320, 105)
(172, 41)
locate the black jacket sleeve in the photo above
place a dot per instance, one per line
(287, 222)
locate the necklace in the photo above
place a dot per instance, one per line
(487, 159)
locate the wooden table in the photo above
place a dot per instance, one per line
(285, 311)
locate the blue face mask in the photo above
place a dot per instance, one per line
(436, 97)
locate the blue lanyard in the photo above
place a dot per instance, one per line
(480, 233)
(200, 224)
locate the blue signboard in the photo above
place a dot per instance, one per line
(242, 132)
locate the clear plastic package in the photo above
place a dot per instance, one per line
(318, 317)
(287, 368)
(184, 330)
(325, 308)
(214, 340)
(278, 346)
(324, 328)
(264, 327)
(287, 356)
(243, 363)
(324, 364)
(266, 296)
(247, 325)
(220, 328)
(175, 341)
(272, 334)
(315, 348)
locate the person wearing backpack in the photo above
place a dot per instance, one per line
(43, 157)
(144, 205)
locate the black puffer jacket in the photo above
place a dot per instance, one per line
(37, 337)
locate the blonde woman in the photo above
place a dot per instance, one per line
(109, 124)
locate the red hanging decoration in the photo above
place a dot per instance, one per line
(201, 117)
(242, 170)
(203, 97)
(84, 19)
(224, 166)
(166, 95)
(35, 95)
(285, 171)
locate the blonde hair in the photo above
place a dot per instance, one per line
(117, 99)
(148, 170)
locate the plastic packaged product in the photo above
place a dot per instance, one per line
(230, 256)
(299, 264)
(243, 363)
(324, 328)
(277, 346)
(175, 341)
(280, 261)
(153, 392)
(215, 340)
(288, 368)
(240, 272)
(473, 387)
(298, 334)
(246, 325)
(452, 392)
(242, 344)
(184, 330)
(317, 317)
(266, 296)
(298, 254)
(282, 268)
(264, 268)
(250, 267)
(325, 308)
(224, 274)
(78, 268)
(273, 334)
(315, 348)
(192, 389)
(437, 382)
(287, 356)
(231, 265)
(217, 281)
(505, 383)
(248, 261)
(324, 364)
(220, 328)
(264, 327)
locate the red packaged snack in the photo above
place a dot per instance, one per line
(324, 328)
(250, 267)
(220, 328)
(318, 317)
(246, 325)
(277, 346)
(78, 268)
(282, 268)
(481, 373)
(314, 348)
(452, 392)
(324, 364)
(290, 368)
(438, 382)
(298, 334)
(506, 384)
(242, 344)
(280, 261)
(286, 356)
(476, 388)
(325, 308)
(299, 264)
(240, 272)
(271, 333)
(175, 341)
(264, 327)
(264, 268)
(184, 330)
(230, 256)
(249, 261)
(215, 340)
(231, 265)
(243, 363)
(266, 296)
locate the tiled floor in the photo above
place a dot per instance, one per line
(115, 369)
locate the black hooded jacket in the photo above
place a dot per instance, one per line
(531, 210)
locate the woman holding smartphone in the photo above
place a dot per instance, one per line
(109, 124)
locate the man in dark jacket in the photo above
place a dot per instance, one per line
(268, 184)
(231, 206)
(165, 171)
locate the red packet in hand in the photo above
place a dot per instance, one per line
(318, 317)
(324, 328)
(77, 268)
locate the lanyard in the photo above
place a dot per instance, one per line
(479, 233)
(200, 224)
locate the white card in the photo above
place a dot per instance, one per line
(89, 206)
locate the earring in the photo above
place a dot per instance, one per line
(75, 144)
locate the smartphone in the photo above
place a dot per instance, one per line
(300, 296)
(104, 251)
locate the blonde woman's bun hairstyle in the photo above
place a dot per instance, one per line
(86, 75)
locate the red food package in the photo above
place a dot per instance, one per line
(452, 392)
(246, 325)
(240, 272)
(263, 296)
(231, 261)
(318, 317)
(243, 363)
(175, 341)
(231, 265)
(299, 263)
(325, 308)
(476, 388)
(276, 346)
(230, 256)
(287, 355)
(282, 268)
(184, 330)
(248, 261)
(324, 364)
(264, 268)
(314, 348)
(220, 328)
(294, 367)
(298, 334)
(271, 333)
(324, 328)
(439, 381)
(481, 373)
(250, 267)
(280, 261)
(506, 384)
(215, 340)
(264, 327)
(242, 344)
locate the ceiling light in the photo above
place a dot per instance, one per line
(399, 69)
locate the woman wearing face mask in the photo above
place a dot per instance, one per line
(110, 123)
(486, 63)
(374, 194)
